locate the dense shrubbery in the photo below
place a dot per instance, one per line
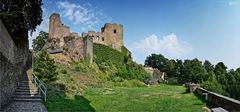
(214, 78)
(120, 63)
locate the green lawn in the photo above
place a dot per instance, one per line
(163, 98)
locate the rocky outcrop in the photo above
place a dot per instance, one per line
(157, 76)
(13, 61)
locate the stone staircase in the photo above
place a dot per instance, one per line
(27, 92)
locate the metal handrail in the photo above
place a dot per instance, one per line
(40, 85)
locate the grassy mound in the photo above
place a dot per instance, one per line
(118, 64)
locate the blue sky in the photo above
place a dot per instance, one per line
(178, 29)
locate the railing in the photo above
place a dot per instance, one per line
(40, 85)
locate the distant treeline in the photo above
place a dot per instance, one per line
(215, 78)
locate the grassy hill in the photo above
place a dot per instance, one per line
(112, 83)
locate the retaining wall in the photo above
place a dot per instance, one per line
(220, 100)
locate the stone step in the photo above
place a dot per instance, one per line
(26, 90)
(26, 83)
(27, 99)
(27, 86)
(21, 83)
(27, 96)
(26, 93)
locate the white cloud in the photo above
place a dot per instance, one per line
(78, 13)
(167, 44)
(84, 16)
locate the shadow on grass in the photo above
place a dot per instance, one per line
(58, 101)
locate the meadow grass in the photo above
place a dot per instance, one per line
(162, 98)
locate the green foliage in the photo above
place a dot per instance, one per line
(193, 71)
(40, 41)
(157, 61)
(133, 83)
(64, 71)
(21, 16)
(216, 79)
(44, 67)
(77, 69)
(212, 84)
(119, 64)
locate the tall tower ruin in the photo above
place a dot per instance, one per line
(113, 35)
(57, 30)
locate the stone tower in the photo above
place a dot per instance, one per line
(113, 35)
(57, 30)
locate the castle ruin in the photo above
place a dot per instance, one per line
(61, 39)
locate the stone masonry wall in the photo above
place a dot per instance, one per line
(220, 100)
(12, 65)
(111, 35)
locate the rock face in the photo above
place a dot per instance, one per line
(13, 65)
(156, 76)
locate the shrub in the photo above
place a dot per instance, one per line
(133, 83)
(64, 71)
(44, 67)
(77, 69)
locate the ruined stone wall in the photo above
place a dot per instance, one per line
(88, 49)
(75, 51)
(111, 35)
(80, 48)
(12, 65)
(74, 34)
(57, 30)
(97, 37)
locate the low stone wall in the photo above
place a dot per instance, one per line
(220, 100)
(12, 65)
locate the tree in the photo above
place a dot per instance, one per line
(221, 72)
(21, 16)
(40, 41)
(156, 61)
(178, 70)
(212, 84)
(44, 67)
(208, 66)
(193, 71)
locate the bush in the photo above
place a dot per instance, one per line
(77, 69)
(172, 80)
(64, 71)
(44, 67)
(117, 79)
(133, 83)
